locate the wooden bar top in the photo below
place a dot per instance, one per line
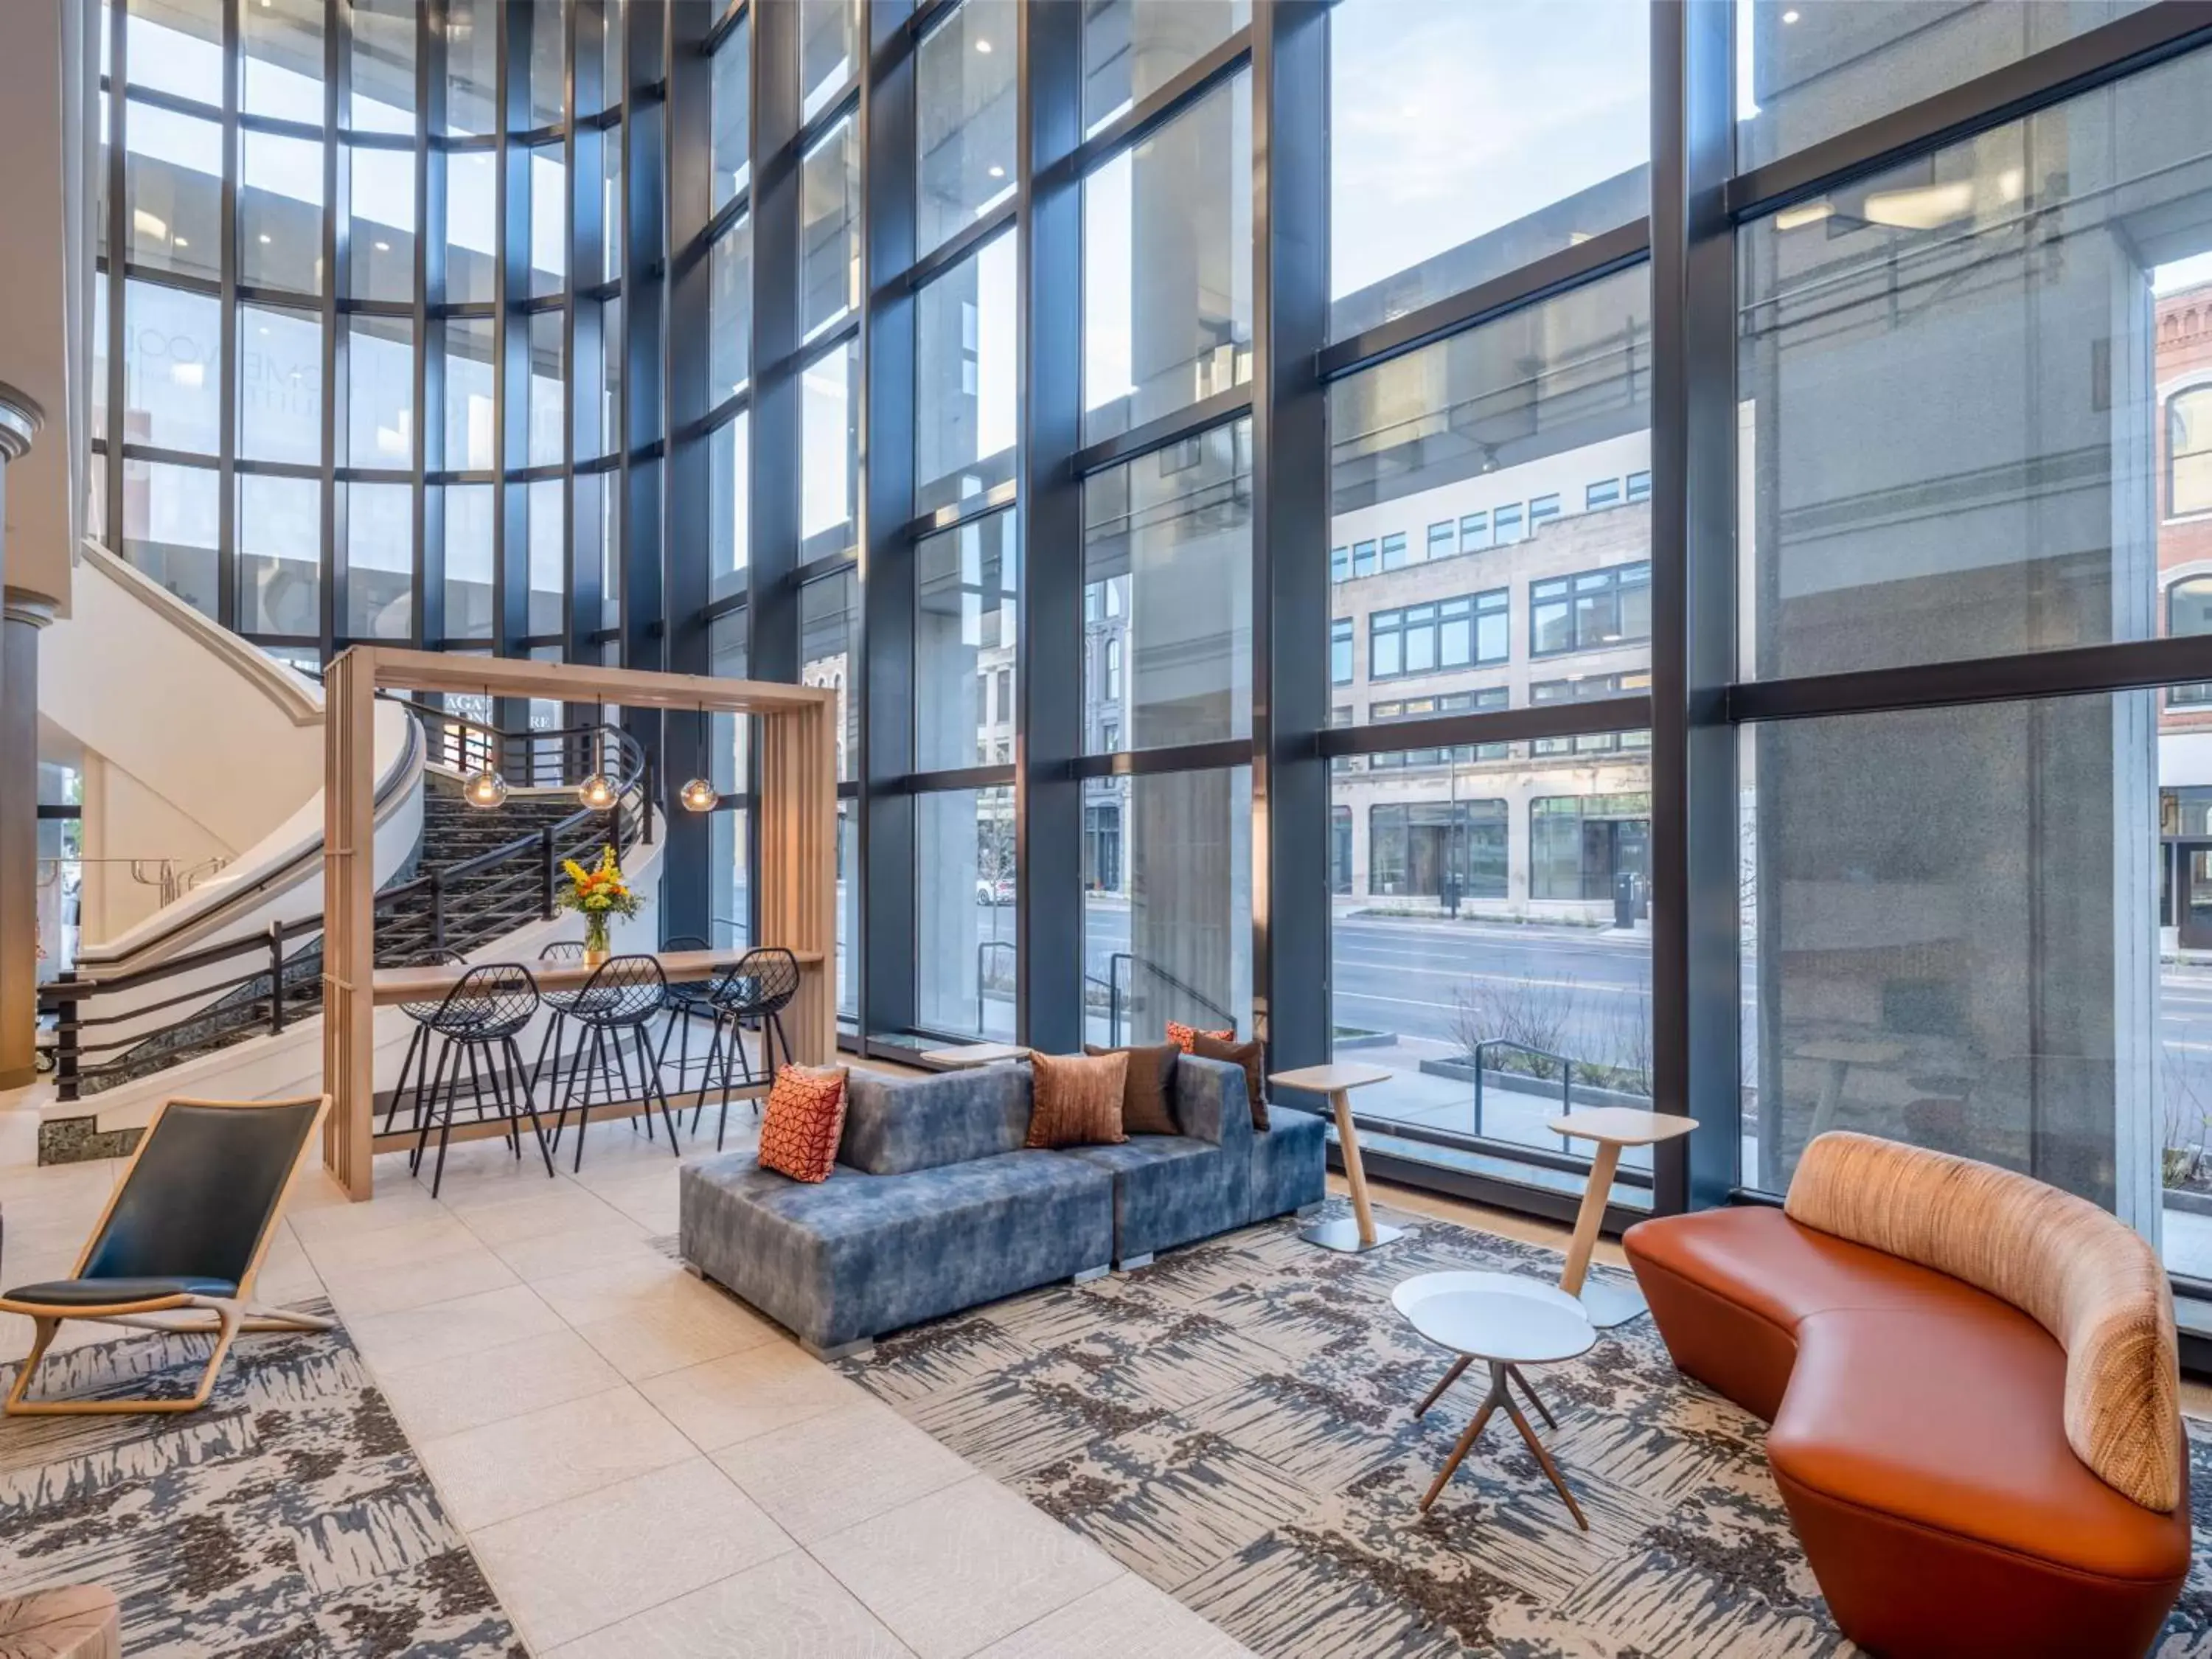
(428, 984)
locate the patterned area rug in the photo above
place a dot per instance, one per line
(1235, 1423)
(289, 1517)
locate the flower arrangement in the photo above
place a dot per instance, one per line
(596, 894)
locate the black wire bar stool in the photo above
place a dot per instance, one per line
(620, 1000)
(417, 1059)
(478, 1021)
(688, 999)
(751, 996)
(560, 1005)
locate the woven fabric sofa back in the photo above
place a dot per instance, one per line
(2083, 1275)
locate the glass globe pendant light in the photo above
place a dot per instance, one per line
(597, 791)
(699, 795)
(485, 789)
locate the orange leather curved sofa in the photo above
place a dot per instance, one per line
(1971, 1382)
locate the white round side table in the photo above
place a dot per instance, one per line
(1507, 1321)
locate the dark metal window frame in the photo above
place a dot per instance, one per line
(1695, 702)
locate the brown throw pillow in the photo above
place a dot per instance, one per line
(1144, 1095)
(1249, 1055)
(1075, 1101)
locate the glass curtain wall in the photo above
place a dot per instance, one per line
(361, 288)
(1296, 574)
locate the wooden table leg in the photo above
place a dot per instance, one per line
(1473, 1432)
(1589, 1217)
(1543, 1457)
(1355, 1177)
(1436, 1394)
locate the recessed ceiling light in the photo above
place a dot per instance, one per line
(996, 173)
(384, 247)
(183, 241)
(983, 46)
(264, 236)
(1789, 16)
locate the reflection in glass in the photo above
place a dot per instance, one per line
(381, 391)
(732, 96)
(729, 521)
(965, 914)
(828, 610)
(280, 384)
(172, 395)
(472, 66)
(1486, 511)
(170, 524)
(967, 612)
(548, 558)
(1167, 280)
(468, 562)
(280, 212)
(549, 79)
(1952, 934)
(1167, 575)
(548, 388)
(177, 50)
(1807, 72)
(382, 243)
(379, 561)
(964, 383)
(829, 50)
(283, 50)
(548, 221)
(469, 434)
(829, 435)
(830, 231)
(729, 311)
(1132, 48)
(1895, 330)
(382, 95)
(964, 98)
(280, 564)
(173, 190)
(471, 227)
(1467, 140)
(1167, 903)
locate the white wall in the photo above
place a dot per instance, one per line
(228, 737)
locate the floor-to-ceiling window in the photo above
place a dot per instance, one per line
(1576, 551)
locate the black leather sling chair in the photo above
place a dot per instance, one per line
(180, 1242)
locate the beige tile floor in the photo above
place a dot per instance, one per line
(645, 1467)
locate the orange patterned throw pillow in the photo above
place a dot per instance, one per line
(1185, 1037)
(804, 1117)
(1075, 1100)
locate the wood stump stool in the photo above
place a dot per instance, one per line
(80, 1621)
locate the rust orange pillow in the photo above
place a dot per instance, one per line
(801, 1123)
(1076, 1100)
(1186, 1037)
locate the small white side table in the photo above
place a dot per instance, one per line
(973, 1053)
(1613, 1127)
(1508, 1321)
(1338, 1082)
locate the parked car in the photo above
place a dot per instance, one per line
(1000, 891)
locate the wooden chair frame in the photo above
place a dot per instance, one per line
(221, 1316)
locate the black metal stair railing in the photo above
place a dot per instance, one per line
(459, 905)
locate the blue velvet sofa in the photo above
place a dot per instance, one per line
(935, 1205)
